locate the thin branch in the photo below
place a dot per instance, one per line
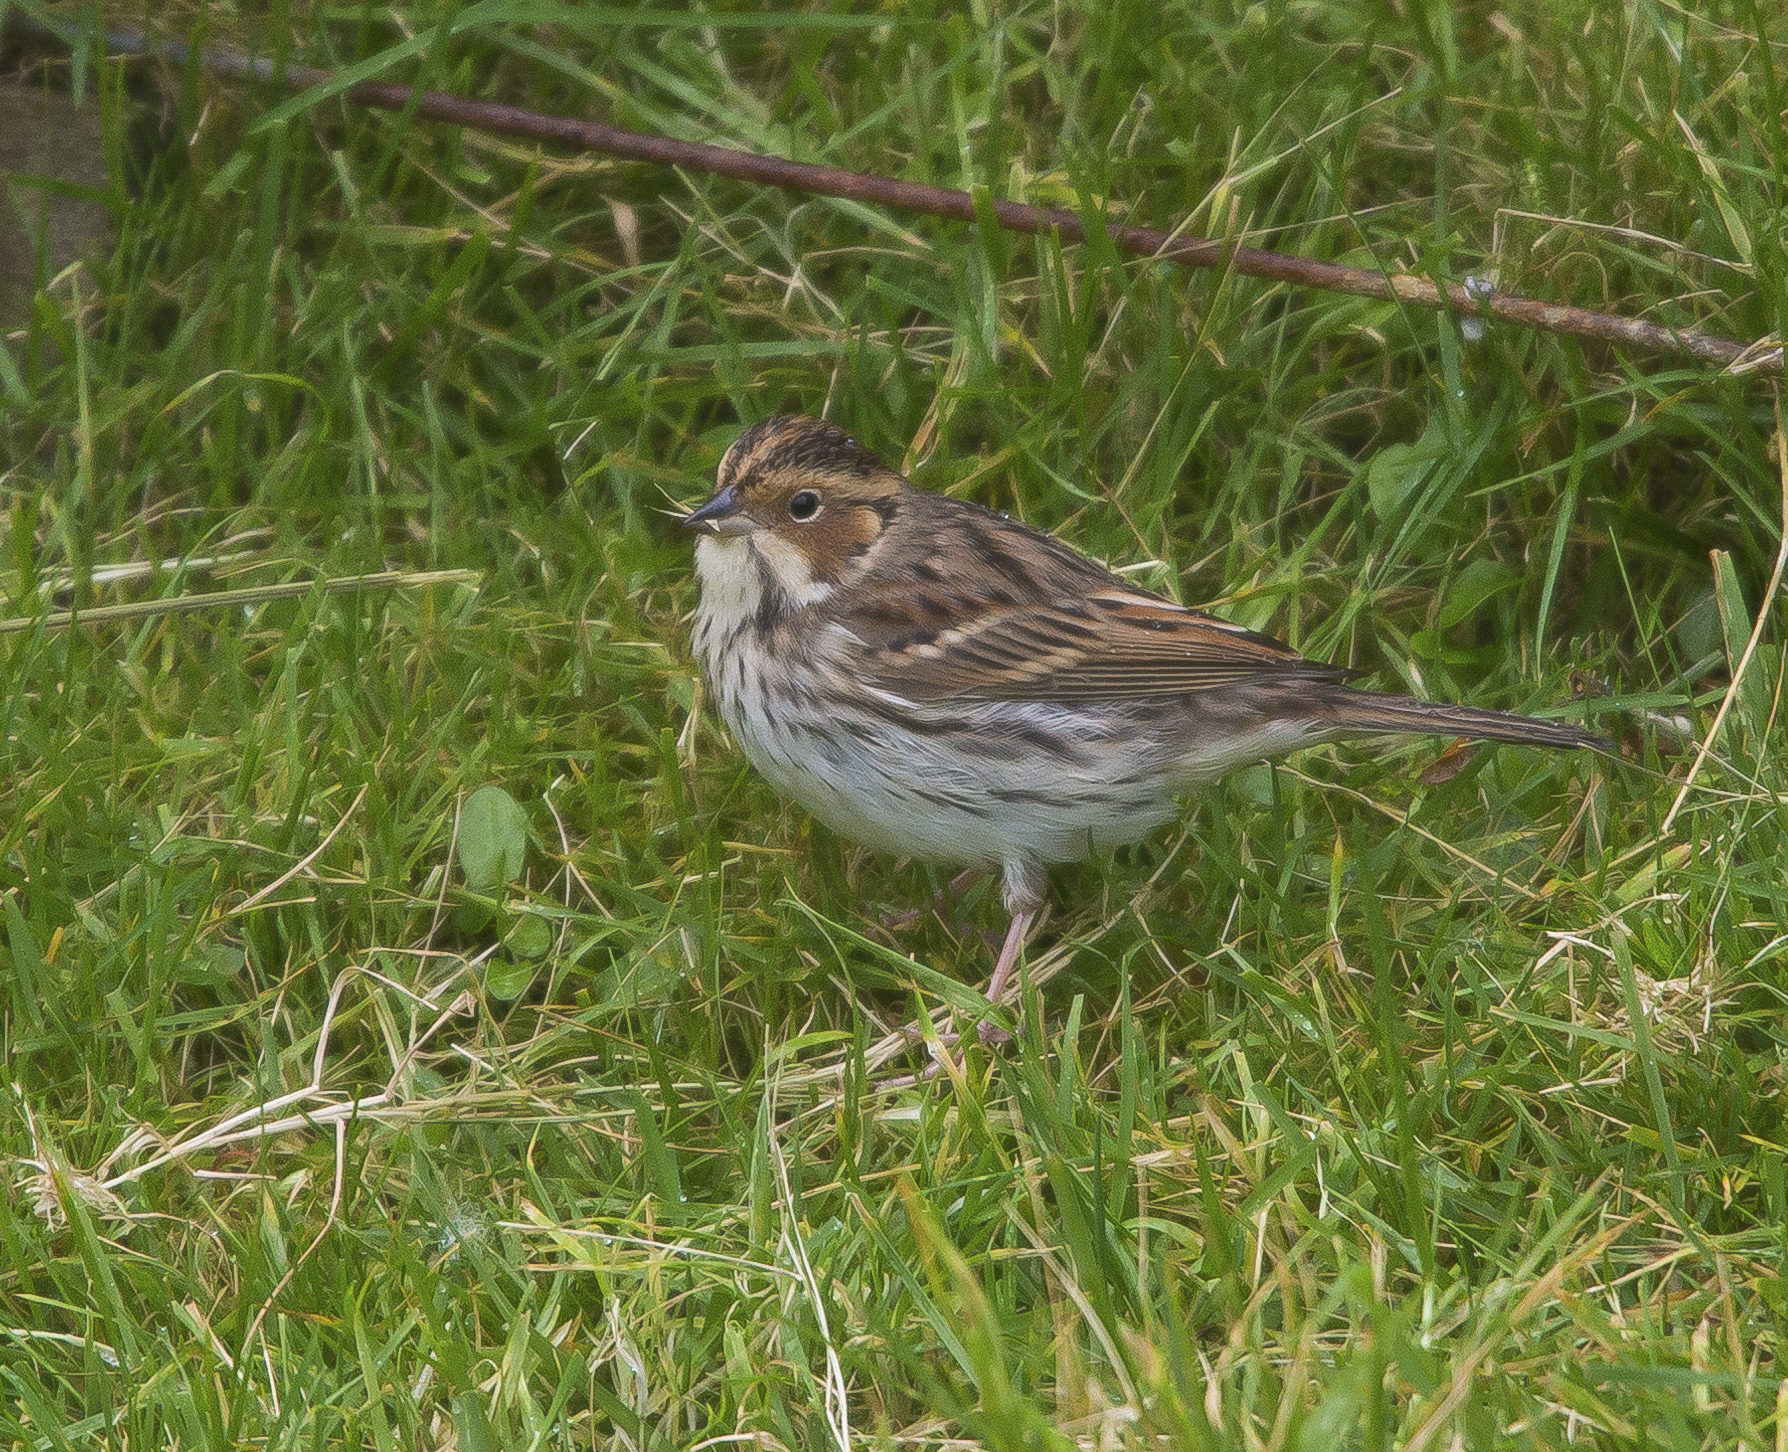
(1764, 356)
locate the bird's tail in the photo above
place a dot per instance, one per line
(1369, 712)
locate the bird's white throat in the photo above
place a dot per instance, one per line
(732, 573)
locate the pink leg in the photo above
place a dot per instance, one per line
(940, 902)
(989, 1033)
(1002, 971)
(964, 880)
(1008, 959)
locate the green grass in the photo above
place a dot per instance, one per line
(1360, 1109)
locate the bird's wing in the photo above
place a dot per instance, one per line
(1111, 644)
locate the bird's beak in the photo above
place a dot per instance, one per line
(720, 515)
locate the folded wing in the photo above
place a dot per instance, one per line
(1110, 645)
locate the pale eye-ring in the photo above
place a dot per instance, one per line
(804, 505)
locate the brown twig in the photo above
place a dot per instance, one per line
(830, 181)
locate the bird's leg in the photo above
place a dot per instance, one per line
(1008, 958)
(991, 1033)
(1025, 888)
(942, 900)
(963, 881)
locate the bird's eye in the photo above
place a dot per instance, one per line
(804, 505)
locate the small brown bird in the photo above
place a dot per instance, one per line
(932, 678)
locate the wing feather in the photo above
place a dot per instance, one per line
(975, 606)
(1111, 646)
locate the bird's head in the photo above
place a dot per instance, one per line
(806, 500)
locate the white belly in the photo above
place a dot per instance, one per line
(980, 784)
(979, 795)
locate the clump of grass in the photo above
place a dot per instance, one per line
(1375, 1103)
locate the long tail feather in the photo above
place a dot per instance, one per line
(1369, 711)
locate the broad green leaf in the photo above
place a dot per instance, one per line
(493, 839)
